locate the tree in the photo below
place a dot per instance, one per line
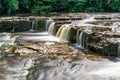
(1, 7)
(114, 5)
(24, 5)
(45, 6)
(42, 6)
(95, 5)
(61, 6)
(79, 5)
(13, 6)
(10, 6)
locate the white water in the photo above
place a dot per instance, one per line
(32, 26)
(64, 34)
(77, 38)
(59, 31)
(49, 43)
(6, 39)
(80, 39)
(13, 30)
(110, 72)
(48, 23)
(84, 21)
(118, 49)
(51, 28)
(34, 34)
(41, 38)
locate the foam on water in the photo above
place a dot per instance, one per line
(7, 39)
(49, 43)
(111, 70)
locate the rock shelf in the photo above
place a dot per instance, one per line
(98, 34)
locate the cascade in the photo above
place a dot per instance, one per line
(63, 32)
(47, 23)
(32, 29)
(118, 49)
(81, 39)
(13, 30)
(51, 28)
(77, 38)
(13, 27)
(59, 30)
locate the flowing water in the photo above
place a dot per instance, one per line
(59, 30)
(63, 32)
(118, 49)
(81, 40)
(13, 28)
(51, 28)
(32, 28)
(45, 68)
(110, 72)
(48, 22)
(7, 39)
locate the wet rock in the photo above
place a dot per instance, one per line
(104, 23)
(103, 17)
(110, 34)
(73, 35)
(16, 24)
(56, 50)
(10, 49)
(40, 25)
(103, 45)
(1, 55)
(100, 29)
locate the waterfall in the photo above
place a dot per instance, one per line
(51, 28)
(77, 38)
(13, 27)
(118, 49)
(81, 39)
(13, 30)
(32, 29)
(48, 22)
(63, 32)
(59, 30)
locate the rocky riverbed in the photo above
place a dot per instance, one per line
(43, 56)
(50, 61)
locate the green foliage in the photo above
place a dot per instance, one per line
(1, 7)
(79, 5)
(24, 5)
(61, 6)
(114, 5)
(13, 6)
(10, 6)
(43, 7)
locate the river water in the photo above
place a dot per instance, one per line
(42, 67)
(41, 56)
